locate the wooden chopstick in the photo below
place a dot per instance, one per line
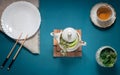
(8, 56)
(17, 53)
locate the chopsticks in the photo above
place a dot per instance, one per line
(8, 56)
(17, 53)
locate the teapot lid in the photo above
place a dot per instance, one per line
(69, 34)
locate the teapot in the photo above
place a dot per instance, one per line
(68, 39)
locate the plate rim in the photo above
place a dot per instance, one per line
(28, 4)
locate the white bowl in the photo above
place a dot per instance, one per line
(98, 55)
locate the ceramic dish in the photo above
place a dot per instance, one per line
(100, 60)
(20, 17)
(94, 18)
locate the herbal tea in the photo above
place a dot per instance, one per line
(104, 13)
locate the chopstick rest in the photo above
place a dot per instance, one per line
(8, 56)
(17, 53)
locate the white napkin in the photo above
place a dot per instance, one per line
(31, 44)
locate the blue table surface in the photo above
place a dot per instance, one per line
(59, 14)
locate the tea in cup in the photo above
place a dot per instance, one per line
(104, 13)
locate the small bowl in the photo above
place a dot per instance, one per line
(100, 59)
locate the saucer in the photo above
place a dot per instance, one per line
(20, 17)
(93, 16)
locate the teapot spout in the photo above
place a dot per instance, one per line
(83, 43)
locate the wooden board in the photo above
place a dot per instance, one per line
(57, 49)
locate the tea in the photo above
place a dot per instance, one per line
(104, 13)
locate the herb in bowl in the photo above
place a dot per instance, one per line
(108, 57)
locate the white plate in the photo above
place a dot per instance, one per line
(20, 17)
(93, 15)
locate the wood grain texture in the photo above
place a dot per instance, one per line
(57, 49)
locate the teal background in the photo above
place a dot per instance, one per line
(59, 14)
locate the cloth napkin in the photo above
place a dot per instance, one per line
(31, 44)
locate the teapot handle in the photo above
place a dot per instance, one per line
(52, 33)
(55, 35)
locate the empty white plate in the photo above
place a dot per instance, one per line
(20, 17)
